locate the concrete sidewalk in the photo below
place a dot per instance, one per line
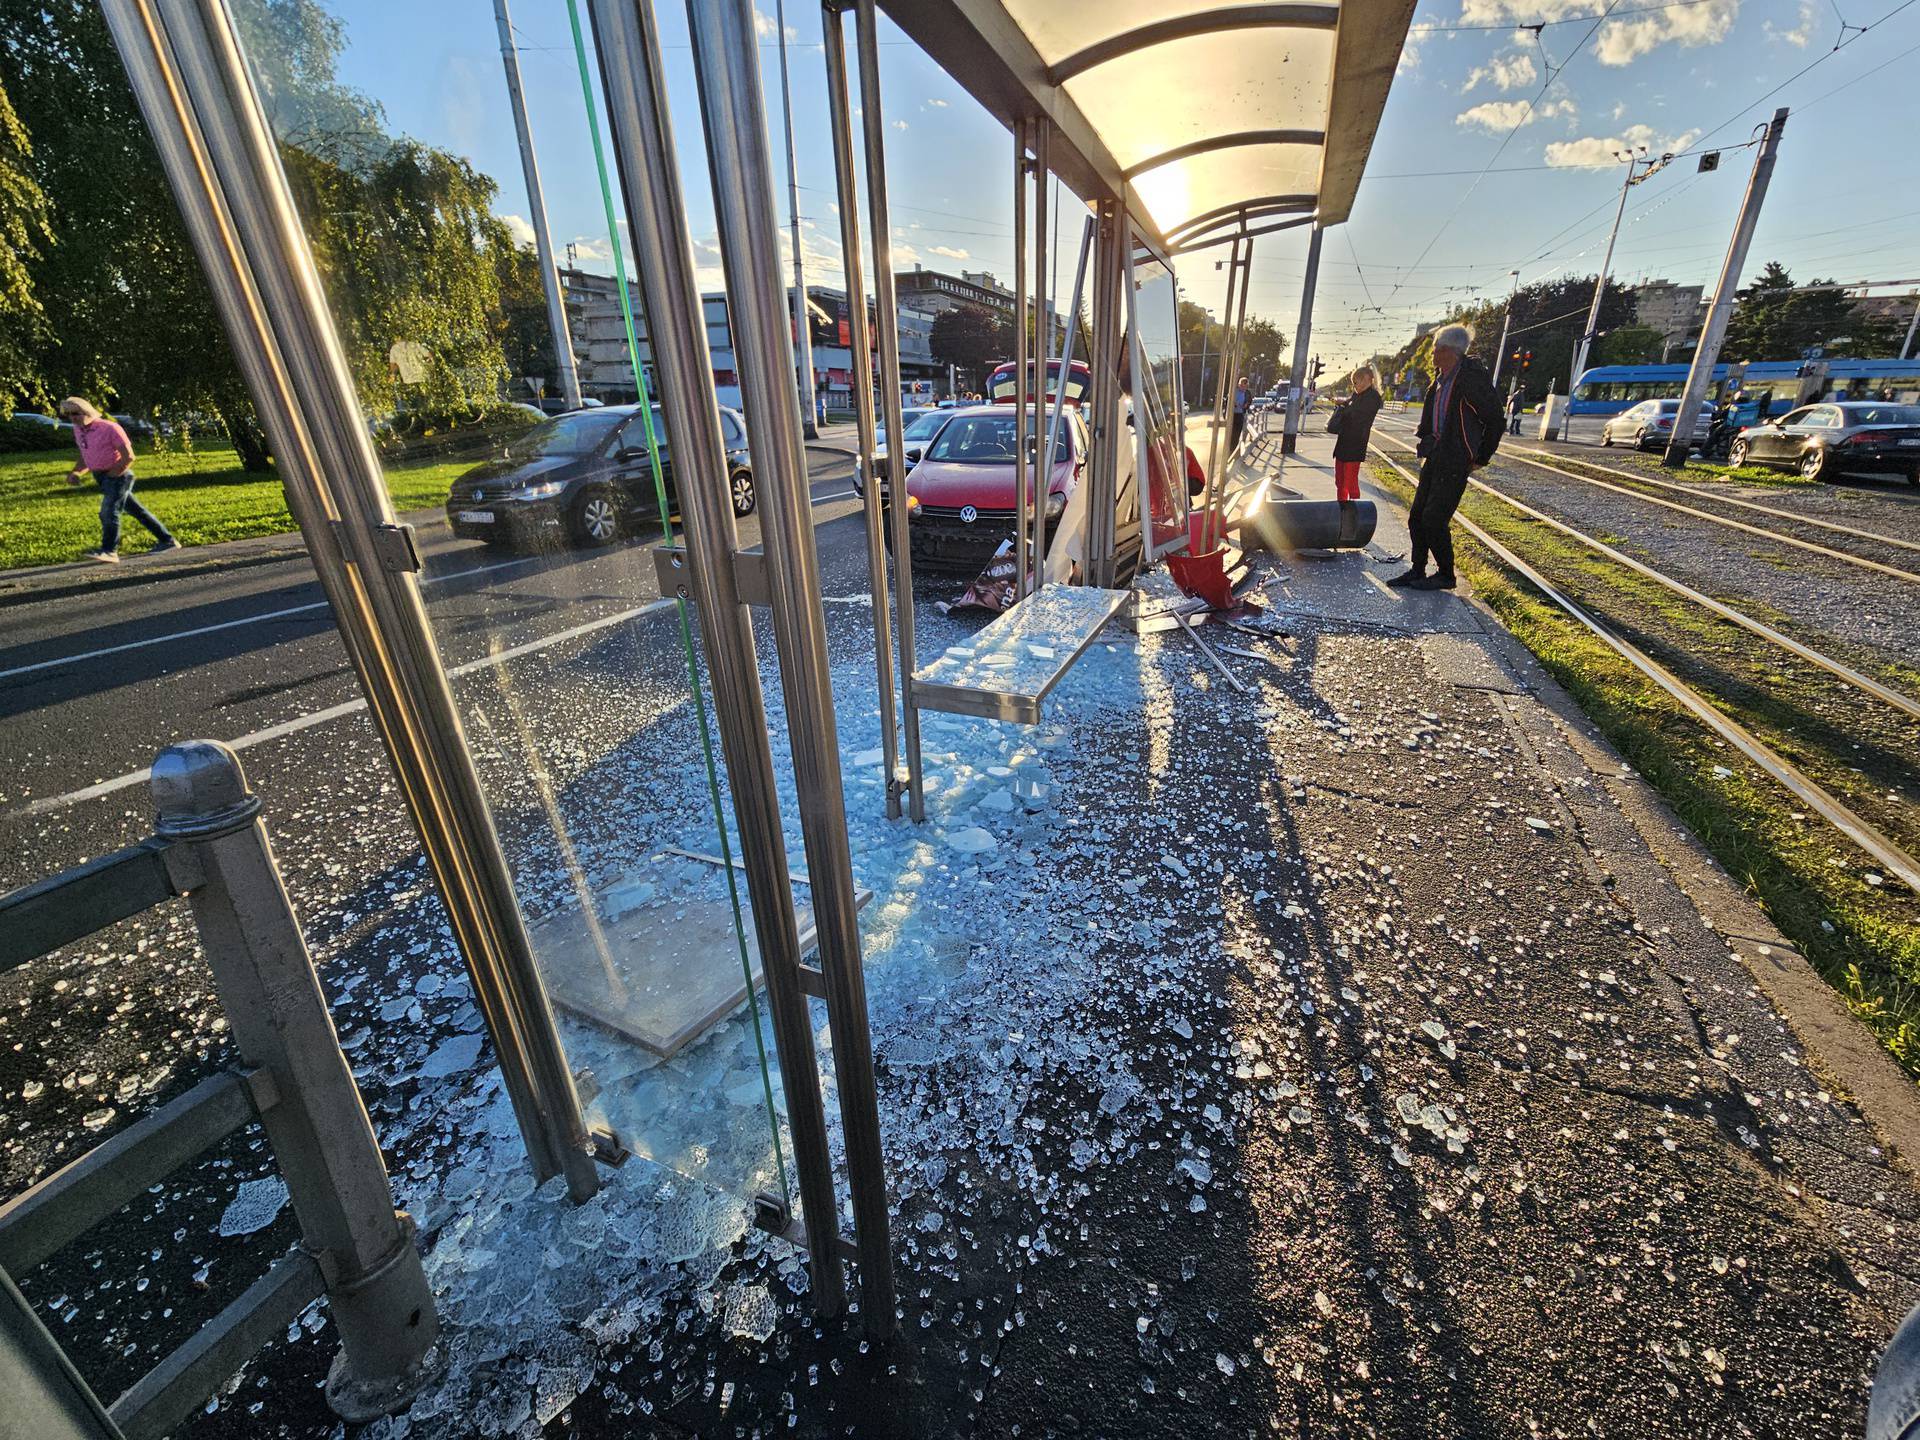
(1364, 1052)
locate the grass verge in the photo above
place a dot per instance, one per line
(1864, 939)
(202, 496)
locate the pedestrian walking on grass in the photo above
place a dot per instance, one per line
(108, 454)
(1459, 431)
(1515, 405)
(1351, 425)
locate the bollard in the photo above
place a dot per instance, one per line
(1287, 525)
(318, 1127)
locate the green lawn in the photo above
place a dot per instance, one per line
(203, 496)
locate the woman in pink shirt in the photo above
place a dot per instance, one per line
(106, 451)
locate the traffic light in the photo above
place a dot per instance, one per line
(1526, 359)
(1313, 374)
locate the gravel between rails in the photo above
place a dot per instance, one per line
(1826, 603)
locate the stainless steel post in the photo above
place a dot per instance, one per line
(1707, 353)
(1042, 467)
(802, 319)
(1906, 345)
(1302, 340)
(726, 63)
(1108, 426)
(1022, 470)
(840, 106)
(633, 78)
(887, 316)
(1222, 399)
(324, 1144)
(537, 203)
(196, 95)
(1060, 394)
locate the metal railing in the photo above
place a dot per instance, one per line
(211, 848)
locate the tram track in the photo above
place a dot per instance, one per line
(1712, 710)
(1524, 456)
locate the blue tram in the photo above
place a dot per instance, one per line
(1610, 389)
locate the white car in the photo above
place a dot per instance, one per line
(1647, 425)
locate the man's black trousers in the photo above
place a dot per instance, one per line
(1431, 518)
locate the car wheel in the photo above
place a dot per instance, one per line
(1737, 453)
(1913, 476)
(1813, 463)
(740, 485)
(596, 518)
(1606, 438)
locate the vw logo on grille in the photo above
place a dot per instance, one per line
(968, 514)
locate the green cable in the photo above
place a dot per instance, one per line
(686, 625)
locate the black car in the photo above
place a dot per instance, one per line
(1821, 441)
(583, 478)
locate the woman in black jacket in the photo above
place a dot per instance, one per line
(1352, 426)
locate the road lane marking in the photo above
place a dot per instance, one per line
(335, 712)
(167, 639)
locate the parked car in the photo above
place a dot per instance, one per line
(557, 404)
(1821, 441)
(136, 428)
(583, 477)
(961, 496)
(920, 427)
(1646, 426)
(56, 429)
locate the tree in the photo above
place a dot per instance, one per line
(971, 338)
(1548, 318)
(1630, 345)
(23, 233)
(1775, 320)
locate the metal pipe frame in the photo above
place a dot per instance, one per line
(727, 66)
(633, 80)
(1211, 241)
(1022, 357)
(887, 316)
(1233, 141)
(1222, 215)
(1060, 394)
(194, 90)
(1199, 22)
(1221, 389)
(1043, 347)
(1108, 426)
(840, 106)
(1302, 338)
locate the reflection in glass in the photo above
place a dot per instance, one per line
(1156, 390)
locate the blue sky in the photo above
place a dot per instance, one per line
(1539, 111)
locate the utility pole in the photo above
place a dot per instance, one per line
(1600, 284)
(1506, 325)
(536, 202)
(802, 322)
(1707, 352)
(1906, 345)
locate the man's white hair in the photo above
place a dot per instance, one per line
(1453, 337)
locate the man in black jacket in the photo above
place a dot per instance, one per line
(1460, 427)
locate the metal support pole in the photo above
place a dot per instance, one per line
(1906, 345)
(1223, 392)
(1302, 338)
(726, 63)
(1060, 393)
(537, 203)
(1043, 348)
(1600, 282)
(324, 1144)
(1707, 353)
(887, 315)
(632, 75)
(840, 106)
(1506, 328)
(802, 320)
(1108, 424)
(221, 159)
(1022, 357)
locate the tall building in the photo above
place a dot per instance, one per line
(1676, 311)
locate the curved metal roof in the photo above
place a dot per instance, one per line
(1204, 116)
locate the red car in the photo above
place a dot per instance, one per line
(961, 499)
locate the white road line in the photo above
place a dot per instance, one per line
(350, 707)
(837, 495)
(261, 618)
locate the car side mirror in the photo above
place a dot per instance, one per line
(913, 457)
(633, 452)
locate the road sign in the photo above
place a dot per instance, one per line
(1709, 161)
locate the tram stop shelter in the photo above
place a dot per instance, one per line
(1195, 1067)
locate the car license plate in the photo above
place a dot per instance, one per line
(1910, 442)
(475, 517)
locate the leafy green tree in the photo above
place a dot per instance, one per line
(1630, 345)
(1776, 320)
(23, 234)
(971, 338)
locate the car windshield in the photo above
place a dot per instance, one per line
(1882, 414)
(984, 440)
(925, 426)
(579, 433)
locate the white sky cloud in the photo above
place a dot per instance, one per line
(937, 104)
(767, 28)
(1621, 42)
(899, 124)
(1526, 12)
(1504, 72)
(1497, 117)
(1603, 150)
(1800, 35)
(948, 252)
(519, 227)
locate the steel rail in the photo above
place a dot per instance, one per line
(1905, 703)
(1837, 528)
(1828, 551)
(1783, 771)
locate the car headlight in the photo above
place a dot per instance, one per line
(545, 490)
(1056, 503)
